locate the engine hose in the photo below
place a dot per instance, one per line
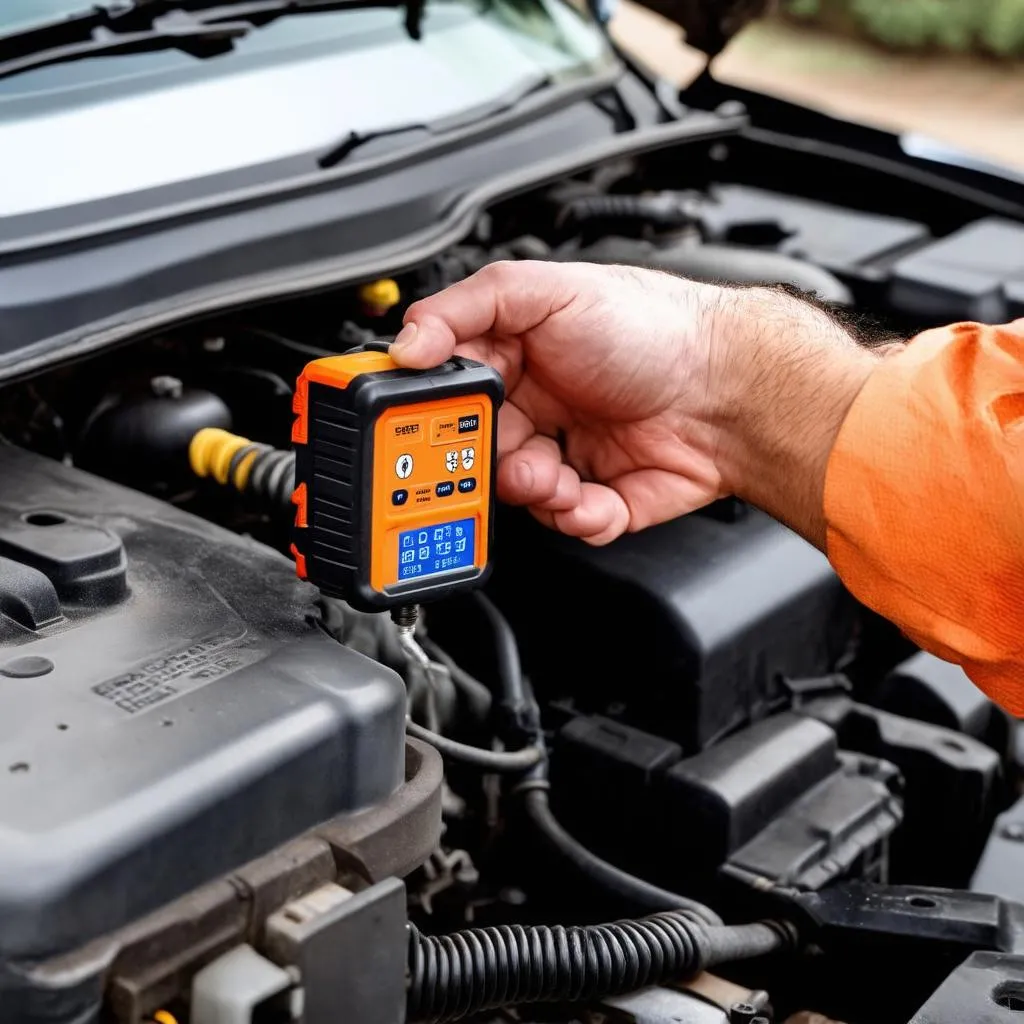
(665, 210)
(453, 976)
(733, 264)
(514, 762)
(258, 470)
(624, 885)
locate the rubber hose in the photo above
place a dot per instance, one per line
(453, 976)
(621, 883)
(257, 470)
(512, 762)
(733, 264)
(510, 671)
(665, 210)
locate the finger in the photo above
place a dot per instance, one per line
(515, 428)
(655, 496)
(567, 494)
(600, 516)
(543, 517)
(529, 475)
(506, 298)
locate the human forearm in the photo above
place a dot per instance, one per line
(783, 376)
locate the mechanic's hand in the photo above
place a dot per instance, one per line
(610, 360)
(631, 393)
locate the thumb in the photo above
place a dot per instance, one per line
(423, 346)
(502, 298)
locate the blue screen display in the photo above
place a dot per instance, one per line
(435, 549)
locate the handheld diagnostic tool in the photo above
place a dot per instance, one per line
(393, 471)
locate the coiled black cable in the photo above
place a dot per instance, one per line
(452, 976)
(272, 477)
(257, 470)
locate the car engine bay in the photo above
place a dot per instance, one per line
(213, 809)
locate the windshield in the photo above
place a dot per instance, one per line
(26, 12)
(551, 32)
(121, 126)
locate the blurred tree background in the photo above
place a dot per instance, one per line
(992, 27)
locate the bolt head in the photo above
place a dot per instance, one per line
(166, 386)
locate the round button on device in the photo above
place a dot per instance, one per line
(403, 467)
(399, 497)
(26, 667)
(444, 488)
(467, 484)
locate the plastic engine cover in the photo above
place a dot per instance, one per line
(168, 708)
(692, 626)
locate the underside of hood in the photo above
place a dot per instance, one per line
(709, 24)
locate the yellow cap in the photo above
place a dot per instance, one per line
(381, 295)
(164, 1017)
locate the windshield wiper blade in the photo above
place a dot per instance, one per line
(198, 39)
(261, 12)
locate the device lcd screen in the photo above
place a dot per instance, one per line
(436, 549)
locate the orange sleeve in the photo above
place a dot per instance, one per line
(924, 500)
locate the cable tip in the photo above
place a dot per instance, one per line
(406, 617)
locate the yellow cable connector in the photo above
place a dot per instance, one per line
(380, 296)
(164, 1017)
(212, 451)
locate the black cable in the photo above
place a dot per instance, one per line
(302, 349)
(519, 703)
(513, 762)
(621, 883)
(453, 976)
(506, 649)
(478, 697)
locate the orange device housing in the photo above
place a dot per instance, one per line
(394, 500)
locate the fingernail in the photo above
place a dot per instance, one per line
(525, 474)
(405, 337)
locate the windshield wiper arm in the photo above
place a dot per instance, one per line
(42, 47)
(261, 12)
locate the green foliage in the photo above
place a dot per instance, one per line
(804, 8)
(916, 24)
(1003, 31)
(960, 26)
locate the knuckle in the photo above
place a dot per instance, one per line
(499, 272)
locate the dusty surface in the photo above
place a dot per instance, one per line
(976, 105)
